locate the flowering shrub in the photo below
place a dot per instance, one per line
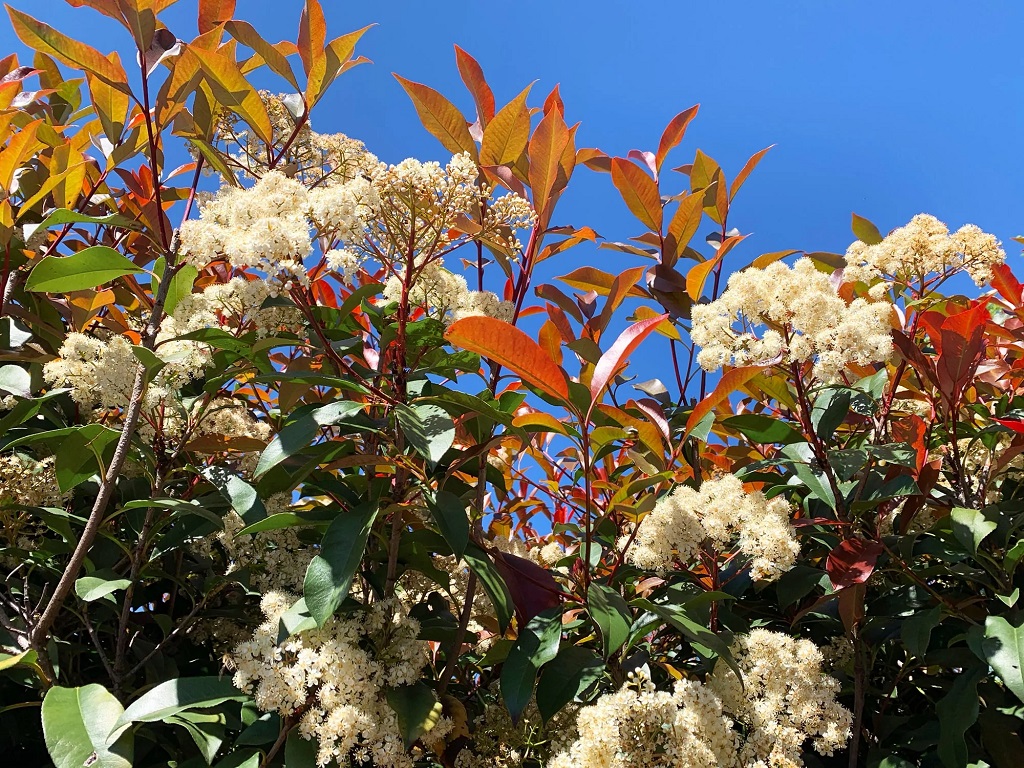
(309, 471)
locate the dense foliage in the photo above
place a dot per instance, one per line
(308, 471)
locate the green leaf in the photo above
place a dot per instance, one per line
(240, 495)
(82, 727)
(573, 671)
(15, 380)
(63, 216)
(84, 452)
(1003, 647)
(452, 520)
(180, 694)
(865, 231)
(698, 633)
(829, 411)
(180, 287)
(296, 619)
(536, 646)
(958, 711)
(428, 428)
(93, 587)
(299, 752)
(917, 630)
(9, 661)
(611, 614)
(493, 584)
(970, 527)
(417, 709)
(329, 575)
(298, 435)
(762, 429)
(88, 268)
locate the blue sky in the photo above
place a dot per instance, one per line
(887, 109)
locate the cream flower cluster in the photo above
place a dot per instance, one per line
(336, 677)
(263, 227)
(723, 512)
(806, 319)
(276, 560)
(785, 700)
(236, 304)
(922, 247)
(639, 727)
(28, 483)
(447, 295)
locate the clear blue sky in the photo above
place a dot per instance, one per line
(883, 108)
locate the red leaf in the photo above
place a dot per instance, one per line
(1015, 424)
(731, 381)
(962, 345)
(1004, 281)
(510, 347)
(746, 170)
(617, 355)
(911, 430)
(852, 562)
(674, 133)
(533, 589)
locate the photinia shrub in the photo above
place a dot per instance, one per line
(300, 466)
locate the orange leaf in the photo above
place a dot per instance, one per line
(440, 117)
(213, 13)
(545, 421)
(674, 133)
(246, 34)
(510, 347)
(599, 281)
(47, 40)
(698, 275)
(746, 170)
(508, 133)
(765, 259)
(618, 354)
(684, 225)
(639, 191)
(312, 35)
(473, 77)
(234, 91)
(140, 19)
(111, 105)
(547, 175)
(731, 381)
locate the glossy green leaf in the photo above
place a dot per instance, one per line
(916, 632)
(329, 575)
(416, 708)
(298, 434)
(428, 429)
(452, 520)
(90, 267)
(180, 694)
(698, 633)
(1003, 647)
(536, 646)
(180, 287)
(957, 712)
(243, 497)
(84, 452)
(493, 584)
(572, 672)
(99, 584)
(611, 614)
(762, 429)
(84, 727)
(970, 527)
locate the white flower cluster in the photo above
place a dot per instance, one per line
(276, 560)
(446, 294)
(28, 483)
(722, 512)
(236, 304)
(336, 678)
(264, 227)
(806, 319)
(922, 247)
(639, 727)
(785, 700)
(101, 373)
